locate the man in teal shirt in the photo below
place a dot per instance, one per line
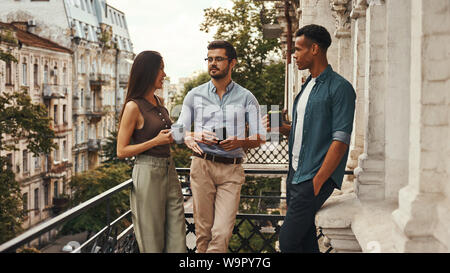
(322, 122)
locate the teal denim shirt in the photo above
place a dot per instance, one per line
(328, 116)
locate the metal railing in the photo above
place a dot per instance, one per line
(272, 152)
(114, 238)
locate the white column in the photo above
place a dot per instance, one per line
(369, 182)
(397, 103)
(318, 12)
(358, 14)
(422, 218)
(341, 12)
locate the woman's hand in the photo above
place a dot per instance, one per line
(164, 137)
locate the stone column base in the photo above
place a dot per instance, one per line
(335, 219)
(342, 240)
(369, 178)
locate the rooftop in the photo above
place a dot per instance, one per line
(30, 39)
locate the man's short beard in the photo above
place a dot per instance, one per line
(221, 75)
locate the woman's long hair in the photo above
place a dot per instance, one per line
(143, 75)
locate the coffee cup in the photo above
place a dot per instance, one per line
(178, 133)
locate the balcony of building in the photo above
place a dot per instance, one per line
(79, 147)
(256, 230)
(55, 168)
(99, 79)
(54, 91)
(94, 107)
(94, 115)
(94, 145)
(123, 80)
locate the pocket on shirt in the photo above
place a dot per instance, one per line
(319, 107)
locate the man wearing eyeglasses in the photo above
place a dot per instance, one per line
(219, 110)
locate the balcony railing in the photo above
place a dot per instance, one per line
(94, 145)
(123, 79)
(273, 152)
(115, 238)
(99, 78)
(54, 91)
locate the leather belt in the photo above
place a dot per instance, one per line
(220, 159)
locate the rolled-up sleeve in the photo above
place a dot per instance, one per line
(343, 111)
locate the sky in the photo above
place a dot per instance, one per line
(171, 27)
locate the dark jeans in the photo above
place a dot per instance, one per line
(298, 232)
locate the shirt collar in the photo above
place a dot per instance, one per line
(324, 74)
(322, 77)
(212, 87)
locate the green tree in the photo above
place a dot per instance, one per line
(256, 69)
(21, 120)
(199, 80)
(90, 184)
(109, 150)
(11, 213)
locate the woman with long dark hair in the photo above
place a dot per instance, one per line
(144, 131)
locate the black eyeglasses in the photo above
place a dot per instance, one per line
(217, 59)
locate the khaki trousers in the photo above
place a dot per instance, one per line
(157, 206)
(216, 191)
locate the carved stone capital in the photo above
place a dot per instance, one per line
(359, 9)
(341, 12)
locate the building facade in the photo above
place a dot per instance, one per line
(396, 54)
(97, 33)
(43, 71)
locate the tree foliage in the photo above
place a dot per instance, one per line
(20, 119)
(257, 69)
(199, 80)
(6, 57)
(11, 208)
(109, 150)
(90, 184)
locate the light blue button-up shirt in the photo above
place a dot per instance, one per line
(203, 107)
